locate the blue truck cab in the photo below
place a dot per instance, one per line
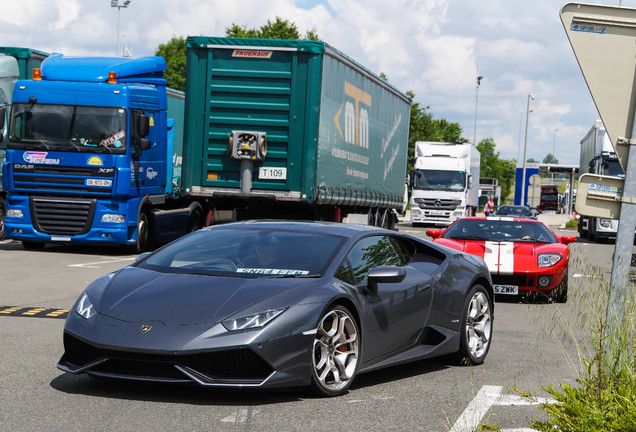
(89, 155)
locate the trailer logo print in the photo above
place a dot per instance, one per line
(356, 118)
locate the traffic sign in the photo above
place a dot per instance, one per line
(603, 39)
(599, 196)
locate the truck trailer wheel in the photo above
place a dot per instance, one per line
(144, 233)
(195, 222)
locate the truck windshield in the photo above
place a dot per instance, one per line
(439, 180)
(612, 168)
(68, 128)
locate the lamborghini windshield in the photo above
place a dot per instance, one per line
(247, 252)
(68, 128)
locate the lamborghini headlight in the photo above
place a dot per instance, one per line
(548, 260)
(84, 307)
(253, 321)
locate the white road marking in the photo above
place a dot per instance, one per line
(477, 409)
(95, 264)
(239, 416)
(486, 398)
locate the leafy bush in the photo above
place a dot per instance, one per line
(572, 224)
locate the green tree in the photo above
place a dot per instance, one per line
(550, 159)
(174, 51)
(277, 29)
(494, 167)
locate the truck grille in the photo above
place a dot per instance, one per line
(62, 216)
(437, 204)
(56, 178)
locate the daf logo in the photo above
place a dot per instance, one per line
(145, 328)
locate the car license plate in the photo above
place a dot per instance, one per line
(506, 289)
(99, 182)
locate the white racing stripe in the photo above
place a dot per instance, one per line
(499, 257)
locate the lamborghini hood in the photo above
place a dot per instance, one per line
(136, 295)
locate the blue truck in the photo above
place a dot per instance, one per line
(90, 155)
(15, 63)
(100, 151)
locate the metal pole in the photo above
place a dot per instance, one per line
(247, 168)
(622, 256)
(525, 150)
(479, 78)
(520, 129)
(553, 151)
(118, 10)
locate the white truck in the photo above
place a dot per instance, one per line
(444, 182)
(598, 157)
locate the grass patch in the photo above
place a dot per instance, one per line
(604, 397)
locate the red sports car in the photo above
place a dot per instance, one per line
(523, 256)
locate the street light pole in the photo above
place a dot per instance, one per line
(115, 3)
(553, 151)
(479, 78)
(525, 150)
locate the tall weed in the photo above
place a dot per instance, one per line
(604, 397)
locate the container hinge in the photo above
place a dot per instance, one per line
(625, 141)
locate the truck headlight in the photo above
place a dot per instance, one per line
(605, 223)
(113, 218)
(15, 213)
(548, 260)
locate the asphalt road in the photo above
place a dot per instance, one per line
(531, 348)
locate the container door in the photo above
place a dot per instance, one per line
(254, 90)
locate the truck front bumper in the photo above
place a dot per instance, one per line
(435, 217)
(24, 222)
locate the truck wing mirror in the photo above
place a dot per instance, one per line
(144, 144)
(143, 125)
(3, 114)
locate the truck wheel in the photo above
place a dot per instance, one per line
(144, 236)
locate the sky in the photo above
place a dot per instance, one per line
(435, 48)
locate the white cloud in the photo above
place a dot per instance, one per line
(429, 46)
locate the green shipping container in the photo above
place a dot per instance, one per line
(337, 134)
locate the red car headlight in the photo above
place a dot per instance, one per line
(548, 260)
